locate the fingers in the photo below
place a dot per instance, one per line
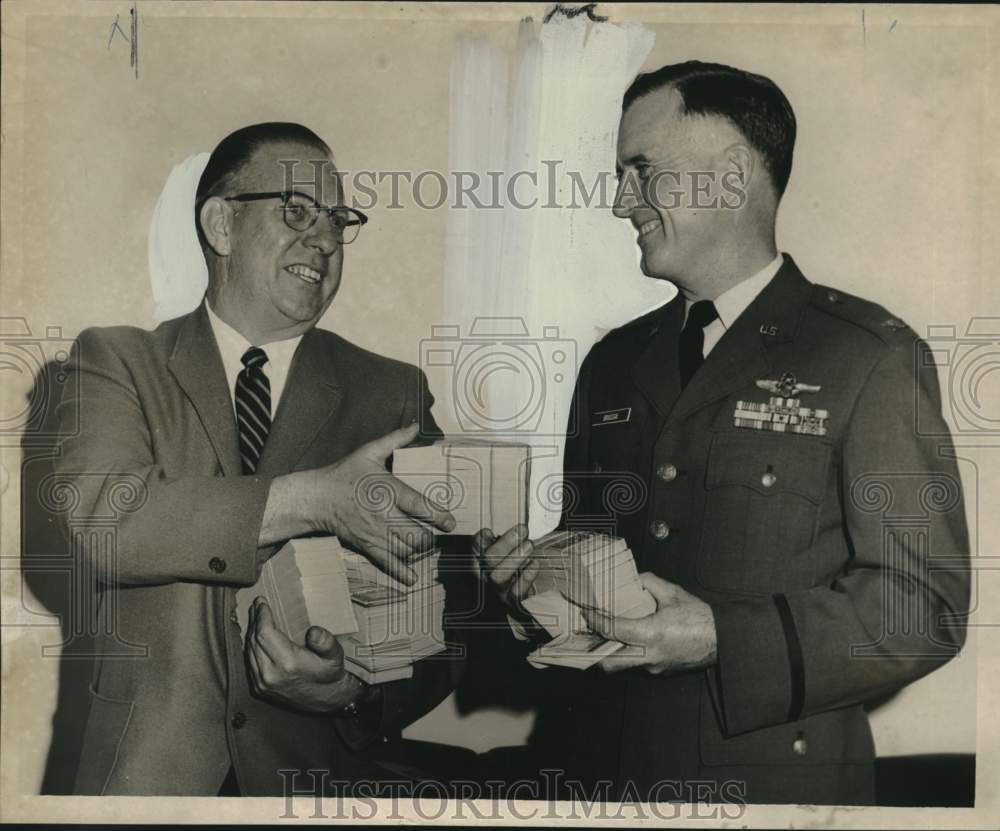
(663, 591)
(417, 505)
(381, 448)
(482, 540)
(524, 580)
(504, 546)
(627, 658)
(510, 566)
(615, 628)
(391, 556)
(324, 643)
(274, 646)
(326, 647)
(256, 678)
(415, 536)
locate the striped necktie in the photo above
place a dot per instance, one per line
(253, 407)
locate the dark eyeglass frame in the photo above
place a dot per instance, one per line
(284, 196)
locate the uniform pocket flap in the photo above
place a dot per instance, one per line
(769, 463)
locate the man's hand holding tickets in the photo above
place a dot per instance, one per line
(310, 678)
(507, 563)
(678, 636)
(364, 505)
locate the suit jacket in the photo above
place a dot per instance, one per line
(167, 524)
(834, 564)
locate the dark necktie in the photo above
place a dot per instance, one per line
(692, 340)
(253, 407)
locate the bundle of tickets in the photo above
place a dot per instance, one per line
(397, 624)
(484, 485)
(383, 625)
(581, 568)
(305, 584)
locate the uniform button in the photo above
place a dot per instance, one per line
(239, 720)
(800, 747)
(233, 617)
(768, 479)
(667, 472)
(598, 468)
(833, 297)
(659, 529)
(217, 564)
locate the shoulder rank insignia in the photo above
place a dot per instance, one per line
(782, 413)
(787, 386)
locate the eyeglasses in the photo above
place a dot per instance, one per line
(300, 213)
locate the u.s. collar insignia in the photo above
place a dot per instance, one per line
(787, 386)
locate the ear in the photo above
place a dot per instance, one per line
(741, 161)
(216, 224)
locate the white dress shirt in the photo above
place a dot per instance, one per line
(733, 302)
(232, 346)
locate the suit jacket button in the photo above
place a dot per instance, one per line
(659, 529)
(800, 747)
(667, 472)
(239, 720)
(217, 564)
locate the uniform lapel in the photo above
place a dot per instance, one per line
(741, 355)
(655, 373)
(312, 393)
(196, 364)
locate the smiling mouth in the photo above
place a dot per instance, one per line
(304, 273)
(648, 227)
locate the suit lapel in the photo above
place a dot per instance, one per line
(312, 393)
(196, 364)
(741, 354)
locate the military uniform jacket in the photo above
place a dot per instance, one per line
(163, 518)
(834, 560)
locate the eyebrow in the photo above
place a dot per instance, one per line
(312, 199)
(636, 158)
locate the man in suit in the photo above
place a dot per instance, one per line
(805, 544)
(214, 439)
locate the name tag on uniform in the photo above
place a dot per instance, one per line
(620, 416)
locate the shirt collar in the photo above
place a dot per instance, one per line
(231, 342)
(733, 301)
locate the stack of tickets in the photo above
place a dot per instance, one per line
(582, 568)
(383, 625)
(305, 584)
(484, 485)
(397, 624)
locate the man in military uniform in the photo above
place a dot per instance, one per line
(769, 426)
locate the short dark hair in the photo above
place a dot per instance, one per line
(751, 103)
(234, 152)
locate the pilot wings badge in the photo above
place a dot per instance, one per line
(783, 413)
